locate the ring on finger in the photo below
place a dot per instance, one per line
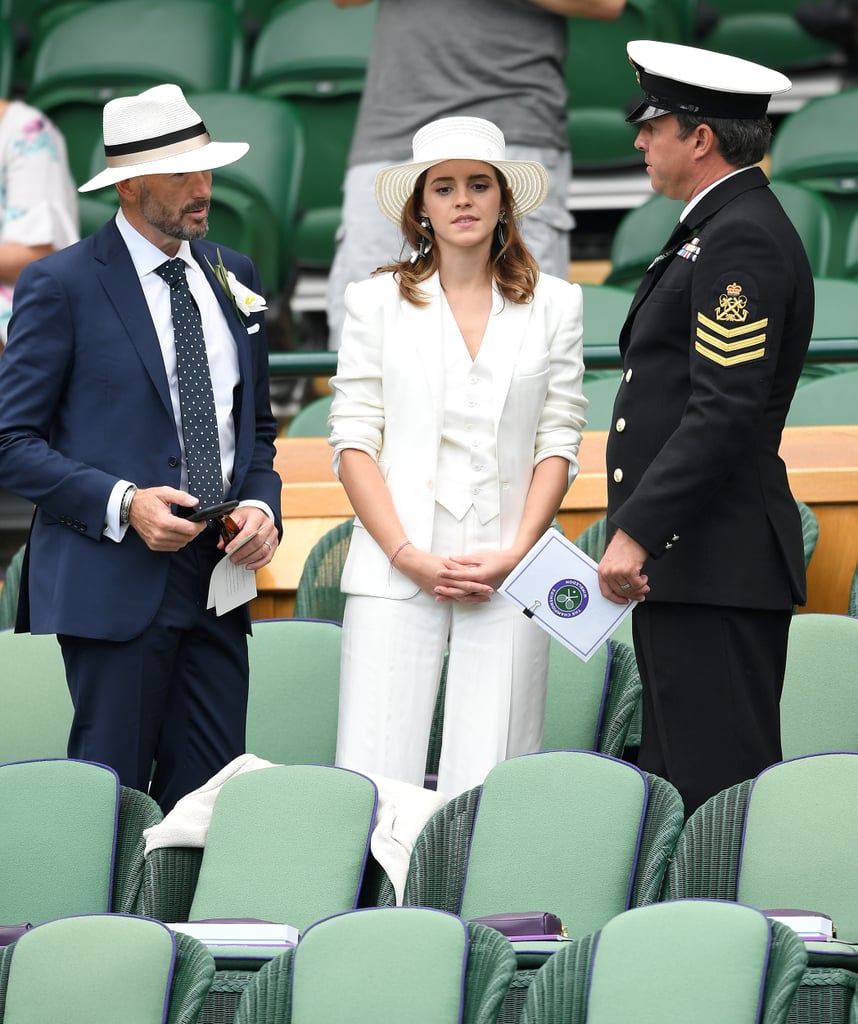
(266, 543)
(625, 586)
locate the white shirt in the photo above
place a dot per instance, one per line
(467, 471)
(689, 206)
(220, 347)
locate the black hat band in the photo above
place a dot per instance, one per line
(159, 148)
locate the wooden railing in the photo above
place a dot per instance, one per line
(823, 470)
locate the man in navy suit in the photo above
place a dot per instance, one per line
(93, 432)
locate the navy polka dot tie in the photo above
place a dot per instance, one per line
(196, 396)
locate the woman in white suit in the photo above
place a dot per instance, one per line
(456, 421)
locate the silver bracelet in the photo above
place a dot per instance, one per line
(125, 504)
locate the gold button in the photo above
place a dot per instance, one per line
(618, 476)
(621, 425)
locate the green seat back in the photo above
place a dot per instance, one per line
(818, 710)
(692, 960)
(318, 595)
(575, 698)
(601, 393)
(59, 822)
(592, 540)
(557, 831)
(771, 37)
(816, 146)
(829, 400)
(315, 55)
(270, 173)
(92, 55)
(36, 706)
(605, 310)
(812, 217)
(598, 96)
(639, 238)
(312, 420)
(294, 691)
(800, 838)
(7, 56)
(91, 970)
(416, 958)
(287, 843)
(809, 529)
(10, 588)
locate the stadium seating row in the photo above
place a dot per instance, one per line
(315, 55)
(586, 835)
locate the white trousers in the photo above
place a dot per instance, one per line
(392, 656)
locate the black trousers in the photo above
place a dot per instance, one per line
(712, 680)
(175, 696)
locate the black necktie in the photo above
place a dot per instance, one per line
(676, 236)
(196, 396)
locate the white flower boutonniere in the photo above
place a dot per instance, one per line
(243, 299)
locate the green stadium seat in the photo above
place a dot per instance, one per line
(767, 32)
(644, 229)
(831, 400)
(600, 93)
(268, 177)
(120, 48)
(315, 55)
(816, 146)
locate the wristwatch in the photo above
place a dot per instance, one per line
(125, 504)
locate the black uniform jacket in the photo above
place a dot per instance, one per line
(712, 349)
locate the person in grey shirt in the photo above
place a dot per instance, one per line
(498, 59)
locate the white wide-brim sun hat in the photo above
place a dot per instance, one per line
(158, 132)
(460, 138)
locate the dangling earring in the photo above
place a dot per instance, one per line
(500, 232)
(423, 245)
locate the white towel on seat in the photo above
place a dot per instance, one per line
(403, 810)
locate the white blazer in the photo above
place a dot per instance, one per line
(389, 402)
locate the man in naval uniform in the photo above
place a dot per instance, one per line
(702, 527)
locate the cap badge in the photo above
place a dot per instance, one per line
(732, 304)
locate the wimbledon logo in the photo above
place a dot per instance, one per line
(568, 598)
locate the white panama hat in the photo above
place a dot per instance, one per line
(677, 78)
(460, 138)
(158, 132)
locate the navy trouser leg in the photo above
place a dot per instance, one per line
(712, 681)
(175, 695)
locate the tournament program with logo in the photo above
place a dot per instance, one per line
(557, 585)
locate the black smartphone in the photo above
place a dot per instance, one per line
(212, 512)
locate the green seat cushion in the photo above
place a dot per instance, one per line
(556, 831)
(287, 843)
(800, 838)
(415, 959)
(59, 832)
(91, 970)
(575, 698)
(670, 962)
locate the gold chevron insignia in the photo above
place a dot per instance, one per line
(734, 360)
(732, 332)
(731, 346)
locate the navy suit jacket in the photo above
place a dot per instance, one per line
(84, 402)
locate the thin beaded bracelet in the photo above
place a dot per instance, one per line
(404, 544)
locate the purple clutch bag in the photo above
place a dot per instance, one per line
(531, 924)
(9, 933)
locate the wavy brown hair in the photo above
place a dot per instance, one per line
(513, 268)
